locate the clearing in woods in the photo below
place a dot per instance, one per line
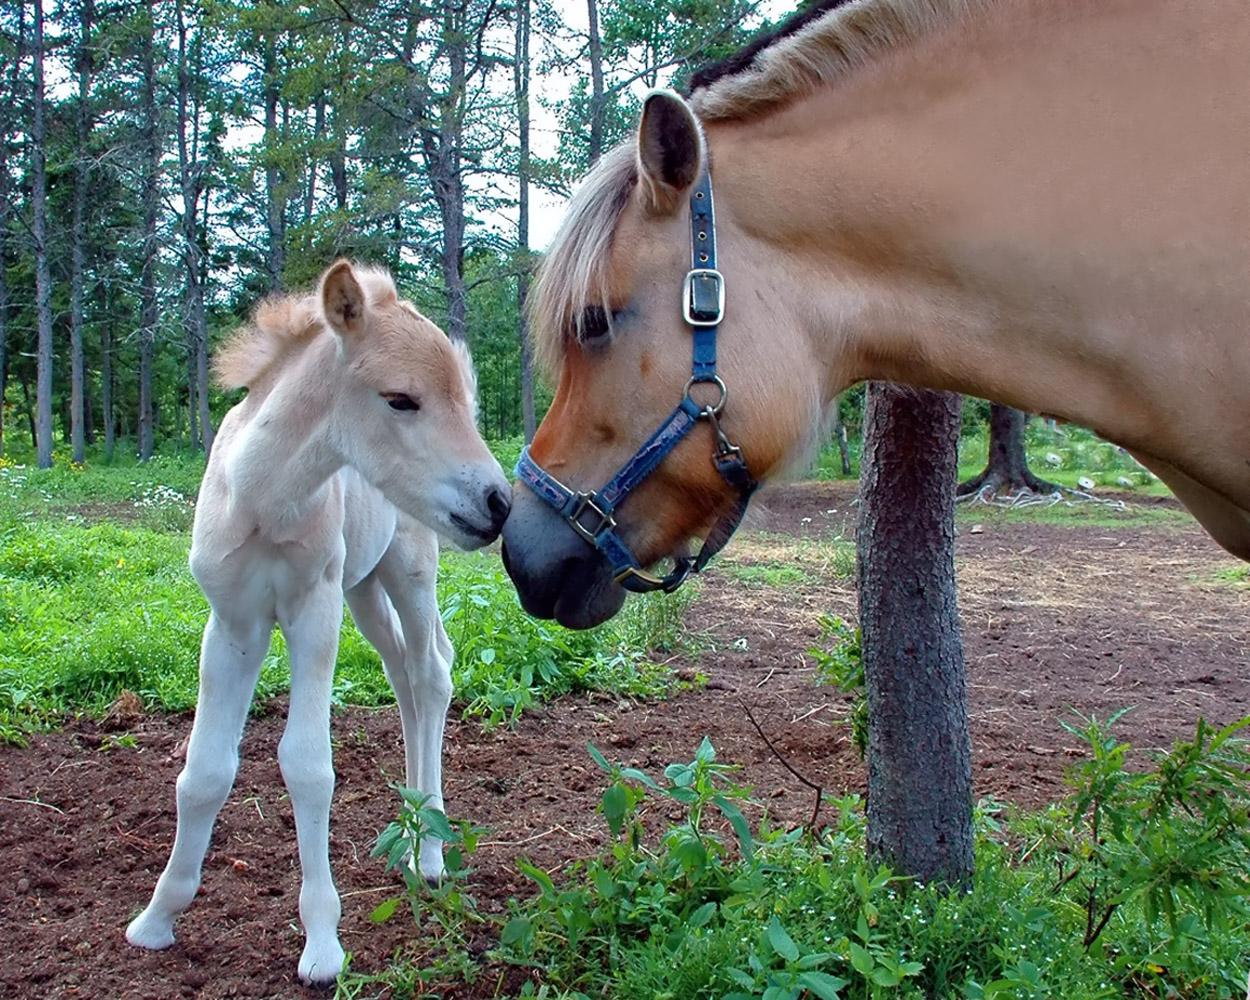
(1063, 609)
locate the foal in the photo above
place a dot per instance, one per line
(354, 449)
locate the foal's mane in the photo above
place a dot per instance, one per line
(281, 324)
(821, 45)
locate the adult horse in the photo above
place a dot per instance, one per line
(1038, 202)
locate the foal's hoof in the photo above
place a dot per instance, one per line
(430, 864)
(147, 932)
(321, 965)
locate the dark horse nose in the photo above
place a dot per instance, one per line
(499, 504)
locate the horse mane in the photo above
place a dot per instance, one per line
(822, 44)
(280, 325)
(815, 48)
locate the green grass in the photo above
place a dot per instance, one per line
(88, 610)
(1076, 515)
(1063, 455)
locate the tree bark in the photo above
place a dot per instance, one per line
(82, 177)
(919, 751)
(151, 205)
(319, 128)
(191, 181)
(275, 216)
(7, 103)
(6, 118)
(441, 148)
(521, 78)
(43, 276)
(106, 389)
(596, 82)
(1007, 470)
(839, 435)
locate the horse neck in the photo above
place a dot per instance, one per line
(290, 445)
(981, 207)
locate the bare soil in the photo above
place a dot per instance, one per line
(1055, 618)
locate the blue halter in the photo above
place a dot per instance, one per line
(591, 515)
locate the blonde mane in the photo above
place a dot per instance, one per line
(280, 325)
(573, 274)
(824, 51)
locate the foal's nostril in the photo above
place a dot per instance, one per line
(498, 503)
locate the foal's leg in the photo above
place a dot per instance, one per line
(230, 659)
(408, 572)
(312, 635)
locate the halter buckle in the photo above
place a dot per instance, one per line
(586, 502)
(703, 297)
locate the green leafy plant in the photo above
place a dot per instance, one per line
(1173, 841)
(839, 662)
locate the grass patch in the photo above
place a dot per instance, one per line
(88, 610)
(1075, 515)
(1233, 574)
(775, 560)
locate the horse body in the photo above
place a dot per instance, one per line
(1044, 204)
(296, 514)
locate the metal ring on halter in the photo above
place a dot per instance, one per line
(715, 380)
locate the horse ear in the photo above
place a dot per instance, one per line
(343, 300)
(670, 151)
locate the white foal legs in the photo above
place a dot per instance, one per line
(408, 573)
(304, 757)
(230, 658)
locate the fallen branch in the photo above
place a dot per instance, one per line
(820, 792)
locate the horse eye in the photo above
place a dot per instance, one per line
(400, 401)
(594, 325)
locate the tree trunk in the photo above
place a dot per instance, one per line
(191, 181)
(106, 390)
(7, 102)
(442, 152)
(43, 276)
(275, 217)
(919, 751)
(1007, 470)
(839, 435)
(78, 235)
(596, 82)
(147, 280)
(319, 127)
(207, 433)
(521, 78)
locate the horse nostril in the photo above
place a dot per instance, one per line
(499, 505)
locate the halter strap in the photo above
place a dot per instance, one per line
(591, 514)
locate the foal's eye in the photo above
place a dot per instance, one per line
(400, 401)
(594, 325)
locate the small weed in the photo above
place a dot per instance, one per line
(840, 663)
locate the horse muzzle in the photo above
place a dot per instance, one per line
(556, 574)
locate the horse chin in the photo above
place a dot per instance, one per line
(588, 608)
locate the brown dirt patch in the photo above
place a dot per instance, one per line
(1054, 617)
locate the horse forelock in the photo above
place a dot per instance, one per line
(574, 272)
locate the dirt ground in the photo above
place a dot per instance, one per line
(1055, 617)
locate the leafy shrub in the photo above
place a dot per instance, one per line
(702, 909)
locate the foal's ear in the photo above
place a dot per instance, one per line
(670, 151)
(343, 300)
